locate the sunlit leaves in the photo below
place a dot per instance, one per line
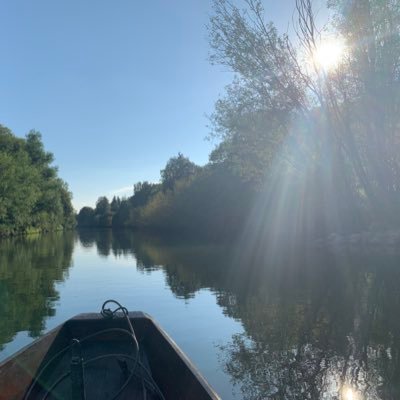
(31, 194)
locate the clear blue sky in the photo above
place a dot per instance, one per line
(115, 87)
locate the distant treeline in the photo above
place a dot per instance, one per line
(32, 197)
(207, 200)
(302, 149)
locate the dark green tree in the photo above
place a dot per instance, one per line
(85, 217)
(115, 203)
(177, 168)
(102, 206)
(123, 217)
(143, 192)
(31, 194)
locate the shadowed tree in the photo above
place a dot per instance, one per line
(177, 168)
(285, 112)
(103, 215)
(143, 192)
(85, 217)
(115, 203)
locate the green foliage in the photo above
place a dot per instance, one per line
(102, 213)
(124, 215)
(143, 192)
(188, 200)
(115, 204)
(85, 217)
(199, 206)
(250, 133)
(102, 206)
(196, 204)
(177, 168)
(31, 194)
(333, 132)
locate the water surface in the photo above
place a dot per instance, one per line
(304, 324)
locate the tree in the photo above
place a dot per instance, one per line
(335, 129)
(68, 210)
(369, 99)
(31, 194)
(123, 216)
(269, 90)
(250, 133)
(143, 192)
(115, 203)
(85, 217)
(177, 168)
(102, 206)
(19, 191)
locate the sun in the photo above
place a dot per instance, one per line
(347, 393)
(329, 54)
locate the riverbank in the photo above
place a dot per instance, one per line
(30, 231)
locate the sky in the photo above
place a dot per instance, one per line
(116, 87)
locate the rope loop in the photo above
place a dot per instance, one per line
(108, 313)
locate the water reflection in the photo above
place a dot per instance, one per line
(29, 268)
(320, 325)
(315, 326)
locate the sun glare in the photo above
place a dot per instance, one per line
(349, 394)
(328, 54)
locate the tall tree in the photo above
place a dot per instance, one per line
(85, 217)
(336, 127)
(102, 206)
(31, 193)
(115, 203)
(143, 192)
(177, 168)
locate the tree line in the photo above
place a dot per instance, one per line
(32, 196)
(301, 149)
(187, 198)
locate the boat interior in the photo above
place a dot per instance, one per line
(92, 357)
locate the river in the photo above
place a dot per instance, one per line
(298, 324)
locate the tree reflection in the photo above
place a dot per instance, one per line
(107, 241)
(330, 327)
(318, 326)
(29, 268)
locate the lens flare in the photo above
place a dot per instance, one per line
(328, 54)
(350, 394)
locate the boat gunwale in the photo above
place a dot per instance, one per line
(34, 342)
(133, 315)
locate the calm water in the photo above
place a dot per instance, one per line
(298, 324)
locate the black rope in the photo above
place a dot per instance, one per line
(109, 314)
